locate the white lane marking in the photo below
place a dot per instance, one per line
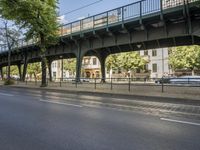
(60, 103)
(6, 94)
(179, 121)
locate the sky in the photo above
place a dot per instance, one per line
(104, 5)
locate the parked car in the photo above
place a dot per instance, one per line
(163, 80)
(186, 80)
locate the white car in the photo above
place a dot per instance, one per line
(186, 80)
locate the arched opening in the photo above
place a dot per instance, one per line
(34, 71)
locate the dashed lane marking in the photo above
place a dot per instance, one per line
(6, 94)
(179, 121)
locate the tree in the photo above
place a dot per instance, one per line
(112, 62)
(38, 18)
(34, 69)
(129, 61)
(9, 36)
(185, 57)
(70, 65)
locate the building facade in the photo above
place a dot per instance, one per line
(157, 67)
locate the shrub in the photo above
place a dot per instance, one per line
(9, 82)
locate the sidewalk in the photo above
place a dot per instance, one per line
(186, 94)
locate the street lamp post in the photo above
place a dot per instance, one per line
(61, 68)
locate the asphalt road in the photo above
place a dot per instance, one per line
(35, 121)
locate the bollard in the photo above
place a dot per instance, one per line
(162, 85)
(60, 82)
(76, 84)
(95, 83)
(111, 86)
(129, 84)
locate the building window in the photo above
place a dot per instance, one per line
(94, 61)
(154, 67)
(86, 61)
(145, 52)
(154, 52)
(54, 74)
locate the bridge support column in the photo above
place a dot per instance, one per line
(102, 58)
(79, 59)
(24, 69)
(20, 72)
(103, 69)
(78, 68)
(50, 70)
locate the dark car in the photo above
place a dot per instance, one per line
(163, 80)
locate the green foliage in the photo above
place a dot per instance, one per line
(34, 69)
(9, 82)
(14, 70)
(131, 61)
(37, 17)
(127, 61)
(112, 62)
(185, 57)
(70, 65)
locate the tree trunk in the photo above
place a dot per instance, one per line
(44, 63)
(9, 64)
(35, 76)
(44, 60)
(50, 70)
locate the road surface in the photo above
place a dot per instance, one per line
(34, 120)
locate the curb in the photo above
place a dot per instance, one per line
(163, 99)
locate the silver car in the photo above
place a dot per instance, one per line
(186, 80)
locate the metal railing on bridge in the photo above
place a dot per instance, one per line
(119, 15)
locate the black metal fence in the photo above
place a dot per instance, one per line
(124, 84)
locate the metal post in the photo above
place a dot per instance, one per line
(95, 83)
(107, 19)
(76, 83)
(161, 7)
(129, 84)
(111, 86)
(123, 15)
(162, 85)
(62, 69)
(60, 82)
(140, 12)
